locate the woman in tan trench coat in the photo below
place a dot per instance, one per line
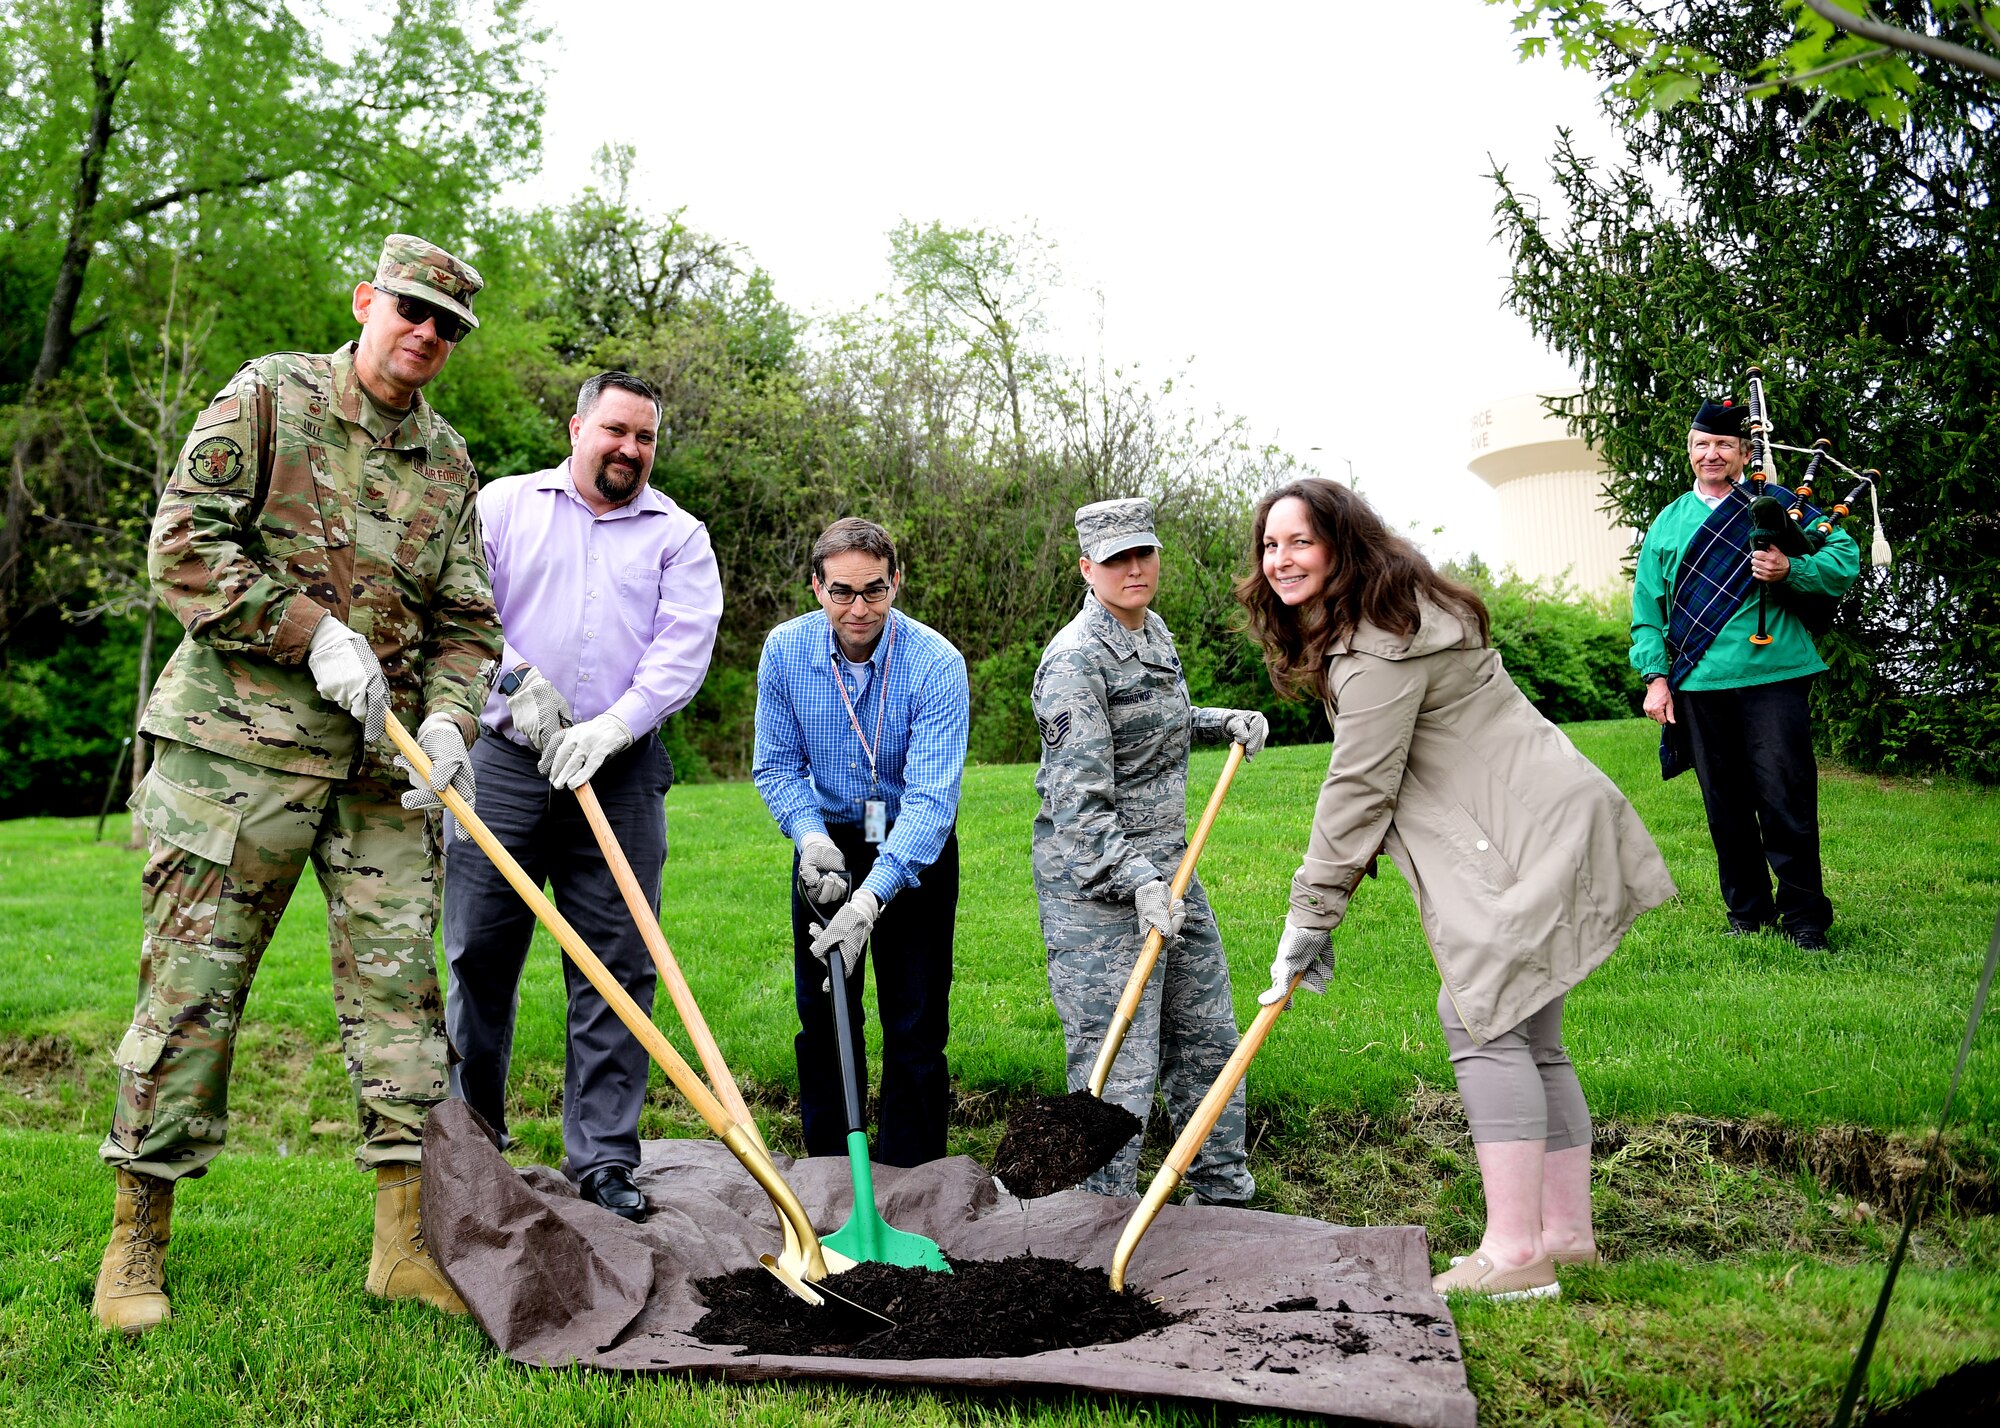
(1527, 863)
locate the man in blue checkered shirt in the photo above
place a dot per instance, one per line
(862, 715)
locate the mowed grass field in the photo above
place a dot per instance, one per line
(1756, 1103)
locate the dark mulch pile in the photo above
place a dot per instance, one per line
(984, 1309)
(1970, 1394)
(1053, 1142)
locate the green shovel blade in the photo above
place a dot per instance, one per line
(866, 1237)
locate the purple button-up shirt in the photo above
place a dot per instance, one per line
(617, 611)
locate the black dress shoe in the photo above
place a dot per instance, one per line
(1807, 939)
(1739, 928)
(611, 1186)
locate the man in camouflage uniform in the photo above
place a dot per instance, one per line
(320, 543)
(1116, 724)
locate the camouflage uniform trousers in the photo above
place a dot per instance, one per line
(1183, 1033)
(228, 843)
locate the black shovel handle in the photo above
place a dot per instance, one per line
(843, 1023)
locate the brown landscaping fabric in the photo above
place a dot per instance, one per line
(1278, 1312)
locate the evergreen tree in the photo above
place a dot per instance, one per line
(1858, 263)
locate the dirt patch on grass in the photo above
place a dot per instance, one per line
(1874, 1167)
(35, 1058)
(1688, 1186)
(1871, 1167)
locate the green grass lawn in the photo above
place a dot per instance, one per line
(1738, 1286)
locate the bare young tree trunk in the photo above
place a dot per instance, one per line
(59, 334)
(155, 412)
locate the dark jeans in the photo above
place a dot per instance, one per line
(911, 950)
(487, 927)
(1753, 758)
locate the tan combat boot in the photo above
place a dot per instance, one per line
(131, 1286)
(401, 1266)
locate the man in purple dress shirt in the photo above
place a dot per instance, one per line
(609, 598)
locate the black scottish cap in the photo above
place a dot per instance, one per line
(1723, 418)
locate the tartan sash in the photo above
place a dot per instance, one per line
(1711, 585)
(1714, 578)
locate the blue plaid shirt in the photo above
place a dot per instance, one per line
(812, 770)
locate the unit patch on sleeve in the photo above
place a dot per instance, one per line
(1055, 730)
(215, 461)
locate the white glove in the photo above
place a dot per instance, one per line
(1159, 910)
(451, 766)
(848, 931)
(821, 865)
(538, 709)
(348, 674)
(1248, 728)
(1300, 949)
(578, 752)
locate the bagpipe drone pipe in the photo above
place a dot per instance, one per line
(1794, 526)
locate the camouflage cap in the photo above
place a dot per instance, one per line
(419, 269)
(1103, 528)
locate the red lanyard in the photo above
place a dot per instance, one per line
(881, 698)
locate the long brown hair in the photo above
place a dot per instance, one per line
(1377, 577)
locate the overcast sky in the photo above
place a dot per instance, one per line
(1287, 200)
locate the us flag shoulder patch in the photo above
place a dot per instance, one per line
(1055, 730)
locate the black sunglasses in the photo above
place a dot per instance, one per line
(449, 326)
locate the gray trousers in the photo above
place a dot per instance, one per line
(1181, 1037)
(1520, 1085)
(487, 927)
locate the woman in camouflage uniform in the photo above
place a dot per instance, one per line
(1116, 724)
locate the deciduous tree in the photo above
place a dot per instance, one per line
(230, 133)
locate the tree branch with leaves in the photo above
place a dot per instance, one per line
(1837, 49)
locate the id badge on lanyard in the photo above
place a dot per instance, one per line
(874, 811)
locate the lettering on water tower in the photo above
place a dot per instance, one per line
(1482, 429)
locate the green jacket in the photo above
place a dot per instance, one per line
(1732, 662)
(379, 529)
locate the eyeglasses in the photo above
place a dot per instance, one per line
(875, 594)
(449, 326)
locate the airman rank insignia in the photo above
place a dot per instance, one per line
(1055, 730)
(215, 461)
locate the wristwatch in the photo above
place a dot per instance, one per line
(510, 681)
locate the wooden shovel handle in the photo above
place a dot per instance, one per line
(1210, 1110)
(1149, 950)
(1174, 1168)
(663, 959)
(620, 1000)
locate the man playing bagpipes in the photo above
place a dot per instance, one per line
(1722, 632)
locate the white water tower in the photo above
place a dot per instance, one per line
(1551, 491)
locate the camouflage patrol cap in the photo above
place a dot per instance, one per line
(419, 269)
(1103, 528)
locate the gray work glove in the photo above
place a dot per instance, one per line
(348, 674)
(1159, 910)
(575, 754)
(822, 870)
(848, 930)
(451, 767)
(538, 709)
(1300, 949)
(1248, 728)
